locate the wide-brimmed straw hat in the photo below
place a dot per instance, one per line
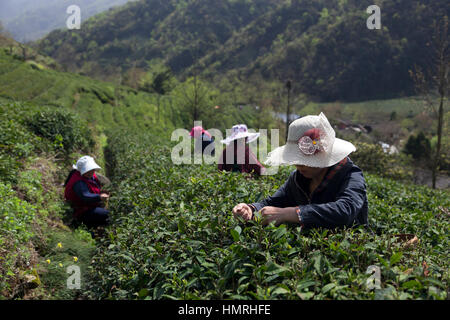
(311, 142)
(240, 131)
(86, 164)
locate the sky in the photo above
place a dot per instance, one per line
(29, 20)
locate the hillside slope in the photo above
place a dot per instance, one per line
(324, 46)
(174, 222)
(151, 29)
(102, 103)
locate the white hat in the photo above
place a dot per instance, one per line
(311, 142)
(86, 164)
(240, 131)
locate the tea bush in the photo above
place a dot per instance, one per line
(173, 237)
(16, 142)
(65, 129)
(16, 217)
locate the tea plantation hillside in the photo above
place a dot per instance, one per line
(106, 104)
(48, 120)
(174, 237)
(100, 102)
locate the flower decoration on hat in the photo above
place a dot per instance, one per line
(312, 142)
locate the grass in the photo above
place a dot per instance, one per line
(32, 212)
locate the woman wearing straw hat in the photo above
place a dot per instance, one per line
(237, 156)
(83, 192)
(326, 189)
(204, 137)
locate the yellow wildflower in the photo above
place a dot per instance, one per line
(60, 264)
(59, 245)
(48, 261)
(75, 259)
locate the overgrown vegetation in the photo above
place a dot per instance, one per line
(371, 158)
(67, 131)
(31, 204)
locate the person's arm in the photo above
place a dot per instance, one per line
(342, 212)
(82, 191)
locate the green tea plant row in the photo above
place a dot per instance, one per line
(103, 104)
(173, 237)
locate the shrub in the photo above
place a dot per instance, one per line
(16, 141)
(15, 215)
(418, 146)
(16, 231)
(66, 130)
(372, 158)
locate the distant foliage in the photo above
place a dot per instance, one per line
(418, 146)
(371, 158)
(158, 79)
(323, 45)
(16, 141)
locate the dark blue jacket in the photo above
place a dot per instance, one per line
(340, 200)
(82, 191)
(205, 141)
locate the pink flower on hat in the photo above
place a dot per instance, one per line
(311, 142)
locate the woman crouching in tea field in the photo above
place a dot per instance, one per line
(83, 192)
(326, 190)
(237, 156)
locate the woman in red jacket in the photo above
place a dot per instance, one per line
(83, 192)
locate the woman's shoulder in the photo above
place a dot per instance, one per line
(354, 173)
(353, 167)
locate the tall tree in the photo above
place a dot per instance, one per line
(193, 96)
(159, 79)
(288, 110)
(436, 78)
